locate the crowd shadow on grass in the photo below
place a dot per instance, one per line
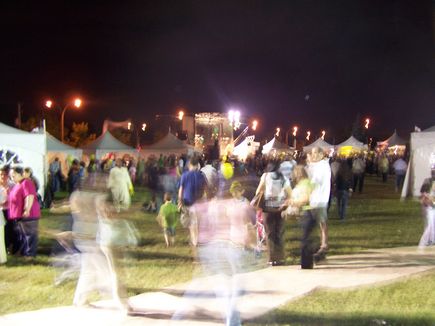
(289, 318)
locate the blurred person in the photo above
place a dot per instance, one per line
(299, 205)
(358, 172)
(168, 217)
(221, 243)
(192, 186)
(55, 170)
(24, 212)
(140, 172)
(343, 187)
(276, 191)
(6, 185)
(74, 177)
(120, 186)
(319, 173)
(427, 200)
(3, 255)
(383, 167)
(400, 166)
(286, 166)
(132, 171)
(92, 237)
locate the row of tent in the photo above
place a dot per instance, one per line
(276, 146)
(36, 150)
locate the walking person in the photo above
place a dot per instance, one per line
(343, 187)
(358, 172)
(400, 166)
(192, 186)
(276, 191)
(120, 186)
(427, 200)
(319, 173)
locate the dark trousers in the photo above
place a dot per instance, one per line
(342, 200)
(358, 181)
(26, 231)
(308, 224)
(274, 226)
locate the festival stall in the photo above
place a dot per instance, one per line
(168, 145)
(351, 146)
(325, 146)
(107, 145)
(422, 159)
(246, 148)
(394, 145)
(275, 147)
(65, 153)
(22, 148)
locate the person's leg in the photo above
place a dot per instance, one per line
(269, 227)
(361, 182)
(308, 223)
(279, 249)
(165, 235)
(324, 235)
(339, 203)
(344, 201)
(354, 182)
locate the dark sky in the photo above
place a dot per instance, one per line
(138, 58)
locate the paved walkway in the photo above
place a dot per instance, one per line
(263, 291)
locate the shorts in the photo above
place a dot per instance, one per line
(320, 214)
(169, 231)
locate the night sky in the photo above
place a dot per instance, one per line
(316, 64)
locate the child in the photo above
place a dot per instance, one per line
(167, 218)
(151, 206)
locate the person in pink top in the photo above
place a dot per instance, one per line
(24, 212)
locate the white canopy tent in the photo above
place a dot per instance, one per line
(247, 147)
(168, 145)
(106, 144)
(352, 142)
(275, 147)
(22, 148)
(393, 140)
(319, 143)
(422, 157)
(56, 148)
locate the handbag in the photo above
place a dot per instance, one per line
(258, 201)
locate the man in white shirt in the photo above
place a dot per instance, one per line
(400, 167)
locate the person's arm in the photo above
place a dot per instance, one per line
(28, 203)
(261, 184)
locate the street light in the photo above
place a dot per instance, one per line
(254, 125)
(295, 131)
(367, 121)
(180, 115)
(144, 125)
(308, 135)
(77, 103)
(277, 131)
(323, 134)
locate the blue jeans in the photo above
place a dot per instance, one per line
(28, 236)
(342, 199)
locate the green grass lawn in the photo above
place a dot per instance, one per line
(375, 219)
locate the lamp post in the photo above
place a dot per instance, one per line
(295, 131)
(77, 103)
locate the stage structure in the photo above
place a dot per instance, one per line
(213, 129)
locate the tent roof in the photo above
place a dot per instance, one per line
(169, 142)
(393, 140)
(107, 142)
(5, 129)
(430, 129)
(54, 145)
(276, 145)
(319, 142)
(352, 141)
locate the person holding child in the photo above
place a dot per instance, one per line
(168, 217)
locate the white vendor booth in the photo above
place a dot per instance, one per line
(22, 148)
(422, 157)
